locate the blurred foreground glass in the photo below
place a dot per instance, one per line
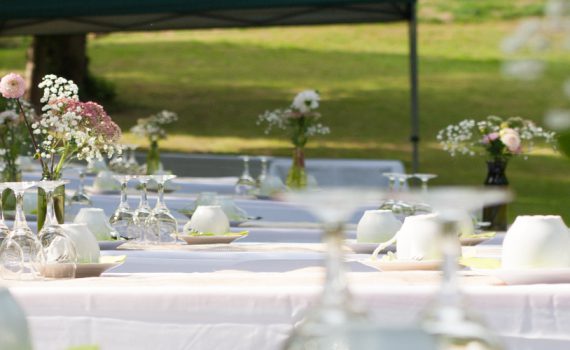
(325, 325)
(14, 333)
(21, 255)
(448, 318)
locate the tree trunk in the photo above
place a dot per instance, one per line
(62, 55)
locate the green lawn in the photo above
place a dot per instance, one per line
(220, 80)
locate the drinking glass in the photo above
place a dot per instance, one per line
(4, 230)
(245, 184)
(143, 211)
(263, 174)
(122, 220)
(21, 255)
(447, 317)
(80, 197)
(424, 178)
(389, 202)
(324, 326)
(58, 247)
(161, 224)
(132, 164)
(401, 208)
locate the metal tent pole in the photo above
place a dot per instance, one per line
(414, 96)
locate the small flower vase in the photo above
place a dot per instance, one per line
(297, 176)
(496, 215)
(11, 173)
(58, 205)
(153, 159)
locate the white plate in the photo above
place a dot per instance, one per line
(403, 265)
(225, 239)
(365, 248)
(529, 276)
(82, 270)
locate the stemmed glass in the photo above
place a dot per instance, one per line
(143, 211)
(122, 220)
(132, 163)
(58, 247)
(389, 203)
(245, 184)
(324, 325)
(160, 222)
(263, 174)
(401, 208)
(80, 197)
(424, 178)
(4, 230)
(447, 318)
(21, 255)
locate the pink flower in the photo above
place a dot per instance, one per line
(511, 139)
(12, 86)
(490, 137)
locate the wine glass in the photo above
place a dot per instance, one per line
(21, 255)
(58, 247)
(389, 203)
(447, 317)
(132, 163)
(424, 178)
(160, 221)
(4, 230)
(143, 211)
(122, 220)
(335, 310)
(401, 208)
(263, 174)
(245, 185)
(80, 197)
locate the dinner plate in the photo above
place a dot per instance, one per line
(222, 239)
(366, 248)
(82, 270)
(529, 276)
(403, 265)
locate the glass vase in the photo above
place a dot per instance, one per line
(153, 159)
(58, 205)
(11, 173)
(496, 215)
(297, 176)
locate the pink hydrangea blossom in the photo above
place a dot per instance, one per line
(490, 137)
(12, 85)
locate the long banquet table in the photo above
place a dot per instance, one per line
(249, 294)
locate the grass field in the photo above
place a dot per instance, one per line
(220, 80)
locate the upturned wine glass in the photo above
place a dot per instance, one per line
(325, 324)
(143, 211)
(245, 185)
(122, 220)
(80, 196)
(389, 202)
(21, 254)
(263, 173)
(424, 178)
(58, 247)
(448, 318)
(160, 223)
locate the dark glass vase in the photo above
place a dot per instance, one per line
(58, 205)
(496, 215)
(153, 159)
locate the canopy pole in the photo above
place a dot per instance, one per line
(414, 96)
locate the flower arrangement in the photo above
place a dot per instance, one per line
(498, 138)
(152, 128)
(67, 128)
(300, 121)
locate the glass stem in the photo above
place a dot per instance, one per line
(50, 213)
(20, 219)
(144, 200)
(245, 168)
(160, 200)
(424, 186)
(1, 207)
(81, 182)
(449, 293)
(336, 286)
(124, 202)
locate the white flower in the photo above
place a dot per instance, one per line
(306, 101)
(8, 115)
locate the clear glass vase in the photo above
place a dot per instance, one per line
(297, 176)
(58, 205)
(11, 173)
(153, 159)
